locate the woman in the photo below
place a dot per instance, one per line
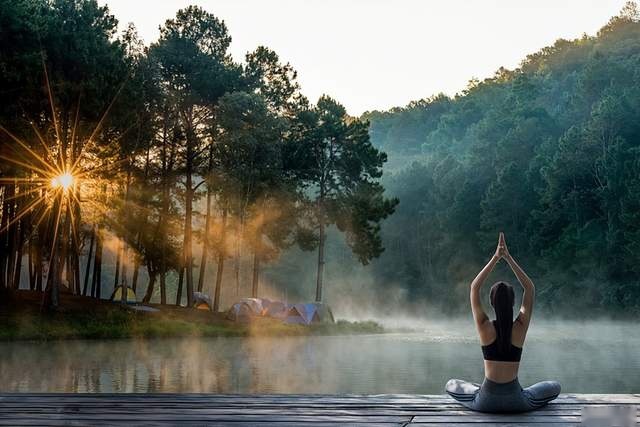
(502, 340)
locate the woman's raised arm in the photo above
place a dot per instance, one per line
(479, 316)
(528, 296)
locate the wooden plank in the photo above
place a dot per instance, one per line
(100, 409)
(257, 402)
(281, 410)
(274, 417)
(258, 405)
(197, 409)
(280, 398)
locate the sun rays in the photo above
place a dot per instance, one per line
(65, 181)
(57, 182)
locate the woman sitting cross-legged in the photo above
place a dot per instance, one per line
(502, 340)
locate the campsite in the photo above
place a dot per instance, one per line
(87, 319)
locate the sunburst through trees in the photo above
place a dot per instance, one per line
(150, 160)
(55, 186)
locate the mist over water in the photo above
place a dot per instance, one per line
(586, 357)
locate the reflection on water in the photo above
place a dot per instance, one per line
(596, 357)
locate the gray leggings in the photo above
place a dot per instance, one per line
(502, 397)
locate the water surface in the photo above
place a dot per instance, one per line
(592, 357)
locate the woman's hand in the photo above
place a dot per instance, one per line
(501, 250)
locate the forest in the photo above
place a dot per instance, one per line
(549, 153)
(171, 168)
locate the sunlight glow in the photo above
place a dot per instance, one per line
(405, 49)
(64, 180)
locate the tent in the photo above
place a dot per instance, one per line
(202, 301)
(255, 305)
(275, 309)
(117, 294)
(302, 314)
(322, 313)
(245, 309)
(296, 315)
(306, 314)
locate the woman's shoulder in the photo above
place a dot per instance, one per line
(519, 332)
(487, 333)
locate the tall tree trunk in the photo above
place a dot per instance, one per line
(321, 237)
(28, 242)
(75, 256)
(163, 256)
(180, 283)
(51, 294)
(4, 236)
(64, 241)
(320, 263)
(167, 159)
(189, 170)
(39, 258)
(122, 245)
(207, 226)
(9, 230)
(256, 275)
(221, 256)
(88, 269)
(188, 255)
(31, 263)
(38, 265)
(151, 286)
(163, 288)
(96, 284)
(205, 242)
(18, 245)
(18, 267)
(238, 255)
(117, 273)
(123, 282)
(134, 279)
(75, 261)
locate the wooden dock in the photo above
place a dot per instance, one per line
(281, 410)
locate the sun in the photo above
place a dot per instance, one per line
(64, 180)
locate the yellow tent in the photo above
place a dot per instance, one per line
(202, 306)
(201, 301)
(117, 294)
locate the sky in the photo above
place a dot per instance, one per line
(379, 54)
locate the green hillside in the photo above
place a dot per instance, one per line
(549, 153)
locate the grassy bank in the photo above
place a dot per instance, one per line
(80, 317)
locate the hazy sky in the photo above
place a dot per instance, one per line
(377, 54)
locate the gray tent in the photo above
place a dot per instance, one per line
(245, 310)
(275, 309)
(306, 314)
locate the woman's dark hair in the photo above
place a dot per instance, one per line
(502, 300)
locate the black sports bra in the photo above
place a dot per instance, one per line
(492, 352)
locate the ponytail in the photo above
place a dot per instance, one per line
(502, 299)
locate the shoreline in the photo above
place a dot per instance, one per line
(81, 317)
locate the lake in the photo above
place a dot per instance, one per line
(589, 357)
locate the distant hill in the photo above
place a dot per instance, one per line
(549, 153)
